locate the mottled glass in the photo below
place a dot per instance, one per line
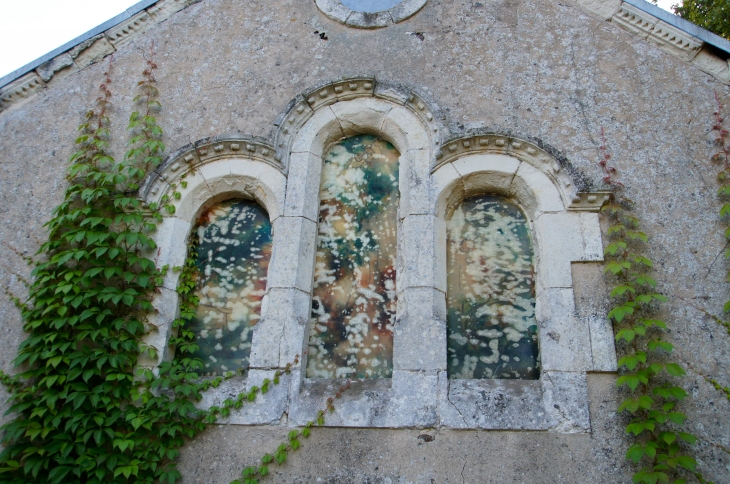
(353, 300)
(233, 252)
(491, 326)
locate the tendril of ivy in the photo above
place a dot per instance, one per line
(252, 474)
(646, 368)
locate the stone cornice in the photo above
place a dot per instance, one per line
(87, 49)
(672, 34)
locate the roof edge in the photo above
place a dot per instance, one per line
(99, 29)
(680, 23)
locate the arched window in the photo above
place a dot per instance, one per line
(354, 295)
(232, 256)
(491, 325)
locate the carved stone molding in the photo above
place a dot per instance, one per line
(337, 10)
(127, 30)
(303, 107)
(589, 201)
(527, 151)
(200, 153)
(20, 89)
(651, 28)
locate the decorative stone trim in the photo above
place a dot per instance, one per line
(494, 143)
(126, 31)
(651, 28)
(201, 153)
(303, 107)
(164, 9)
(336, 10)
(92, 51)
(20, 89)
(589, 201)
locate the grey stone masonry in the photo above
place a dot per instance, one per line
(672, 34)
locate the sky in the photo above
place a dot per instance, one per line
(30, 29)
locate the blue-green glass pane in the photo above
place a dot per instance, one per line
(233, 252)
(353, 301)
(492, 331)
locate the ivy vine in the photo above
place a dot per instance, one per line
(647, 369)
(81, 413)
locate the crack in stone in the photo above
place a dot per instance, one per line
(448, 397)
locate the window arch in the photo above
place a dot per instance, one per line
(436, 177)
(491, 324)
(232, 248)
(354, 292)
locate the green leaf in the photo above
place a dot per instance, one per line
(674, 369)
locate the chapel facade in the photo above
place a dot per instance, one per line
(405, 195)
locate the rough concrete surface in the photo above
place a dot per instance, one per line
(540, 68)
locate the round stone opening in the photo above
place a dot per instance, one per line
(370, 6)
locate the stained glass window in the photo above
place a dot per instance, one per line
(233, 252)
(354, 295)
(491, 326)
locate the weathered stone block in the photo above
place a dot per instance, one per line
(363, 115)
(423, 253)
(365, 404)
(486, 173)
(566, 401)
(590, 230)
(603, 348)
(302, 194)
(406, 9)
(60, 63)
(280, 334)
(292, 260)
(171, 239)
(712, 64)
(491, 404)
(406, 129)
(413, 400)
(91, 51)
(365, 20)
(166, 303)
(334, 9)
(535, 191)
(565, 341)
(316, 135)
(419, 340)
(417, 197)
(558, 242)
(447, 190)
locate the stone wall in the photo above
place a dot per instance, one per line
(541, 70)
